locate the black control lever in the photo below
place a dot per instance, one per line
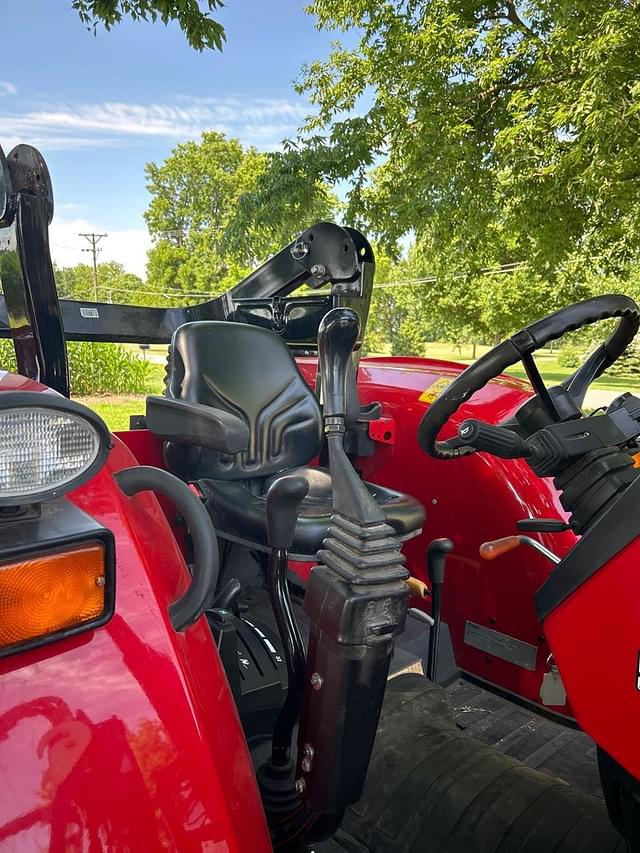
(283, 505)
(497, 440)
(337, 337)
(227, 597)
(436, 564)
(276, 777)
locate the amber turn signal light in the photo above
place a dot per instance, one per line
(51, 595)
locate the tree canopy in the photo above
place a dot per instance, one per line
(196, 195)
(114, 284)
(498, 135)
(508, 131)
(200, 29)
(499, 138)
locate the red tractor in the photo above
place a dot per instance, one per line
(310, 601)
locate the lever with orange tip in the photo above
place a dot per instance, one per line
(418, 587)
(498, 547)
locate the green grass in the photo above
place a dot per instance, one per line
(547, 362)
(116, 411)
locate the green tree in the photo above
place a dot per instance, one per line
(496, 132)
(114, 284)
(203, 220)
(399, 320)
(200, 29)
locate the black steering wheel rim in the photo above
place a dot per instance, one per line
(520, 347)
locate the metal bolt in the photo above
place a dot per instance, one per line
(100, 581)
(318, 270)
(299, 250)
(316, 681)
(434, 501)
(307, 761)
(300, 786)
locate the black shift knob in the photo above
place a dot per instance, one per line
(283, 506)
(337, 337)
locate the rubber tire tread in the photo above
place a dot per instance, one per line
(431, 788)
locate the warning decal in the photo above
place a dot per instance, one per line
(434, 390)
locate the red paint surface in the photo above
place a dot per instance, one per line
(14, 382)
(470, 501)
(596, 644)
(126, 738)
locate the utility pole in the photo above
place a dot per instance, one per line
(94, 239)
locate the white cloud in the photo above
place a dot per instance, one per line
(126, 246)
(7, 88)
(261, 121)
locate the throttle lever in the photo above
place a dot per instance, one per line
(497, 440)
(498, 547)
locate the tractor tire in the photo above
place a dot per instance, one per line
(431, 788)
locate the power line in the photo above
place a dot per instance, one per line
(503, 269)
(168, 292)
(94, 239)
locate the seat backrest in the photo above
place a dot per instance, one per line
(250, 372)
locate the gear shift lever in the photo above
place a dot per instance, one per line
(276, 777)
(283, 505)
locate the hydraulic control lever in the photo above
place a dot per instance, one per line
(337, 338)
(498, 547)
(436, 564)
(283, 505)
(356, 601)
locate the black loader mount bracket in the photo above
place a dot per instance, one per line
(336, 260)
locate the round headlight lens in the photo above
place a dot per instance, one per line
(43, 450)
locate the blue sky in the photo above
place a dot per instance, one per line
(101, 107)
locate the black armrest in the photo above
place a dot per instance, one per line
(195, 423)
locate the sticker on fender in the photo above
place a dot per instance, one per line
(434, 390)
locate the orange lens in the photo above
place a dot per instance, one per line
(51, 592)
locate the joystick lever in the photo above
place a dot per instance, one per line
(337, 336)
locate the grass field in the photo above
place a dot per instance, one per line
(117, 410)
(547, 363)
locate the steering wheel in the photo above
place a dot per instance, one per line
(520, 347)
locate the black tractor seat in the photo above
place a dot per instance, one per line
(237, 416)
(233, 508)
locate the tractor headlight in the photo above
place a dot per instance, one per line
(48, 446)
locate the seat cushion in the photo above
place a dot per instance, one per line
(241, 515)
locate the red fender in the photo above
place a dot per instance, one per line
(127, 737)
